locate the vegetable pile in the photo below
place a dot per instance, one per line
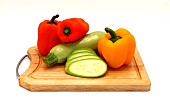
(84, 54)
(60, 52)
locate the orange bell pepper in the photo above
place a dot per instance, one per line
(117, 48)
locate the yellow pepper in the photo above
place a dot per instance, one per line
(117, 48)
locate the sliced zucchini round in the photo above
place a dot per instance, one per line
(75, 55)
(87, 68)
(82, 58)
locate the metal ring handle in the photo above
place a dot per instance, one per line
(17, 73)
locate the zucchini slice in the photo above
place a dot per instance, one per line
(76, 55)
(87, 68)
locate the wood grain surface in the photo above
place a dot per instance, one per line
(39, 77)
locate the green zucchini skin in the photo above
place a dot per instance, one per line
(59, 53)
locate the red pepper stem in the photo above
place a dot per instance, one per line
(67, 31)
(52, 20)
(114, 37)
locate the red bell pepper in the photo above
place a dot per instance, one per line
(72, 29)
(47, 35)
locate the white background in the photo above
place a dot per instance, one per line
(147, 20)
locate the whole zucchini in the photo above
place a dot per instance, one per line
(59, 53)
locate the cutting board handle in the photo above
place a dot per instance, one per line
(17, 68)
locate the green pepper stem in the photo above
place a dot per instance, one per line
(67, 31)
(114, 37)
(52, 20)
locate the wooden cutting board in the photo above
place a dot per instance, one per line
(39, 77)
